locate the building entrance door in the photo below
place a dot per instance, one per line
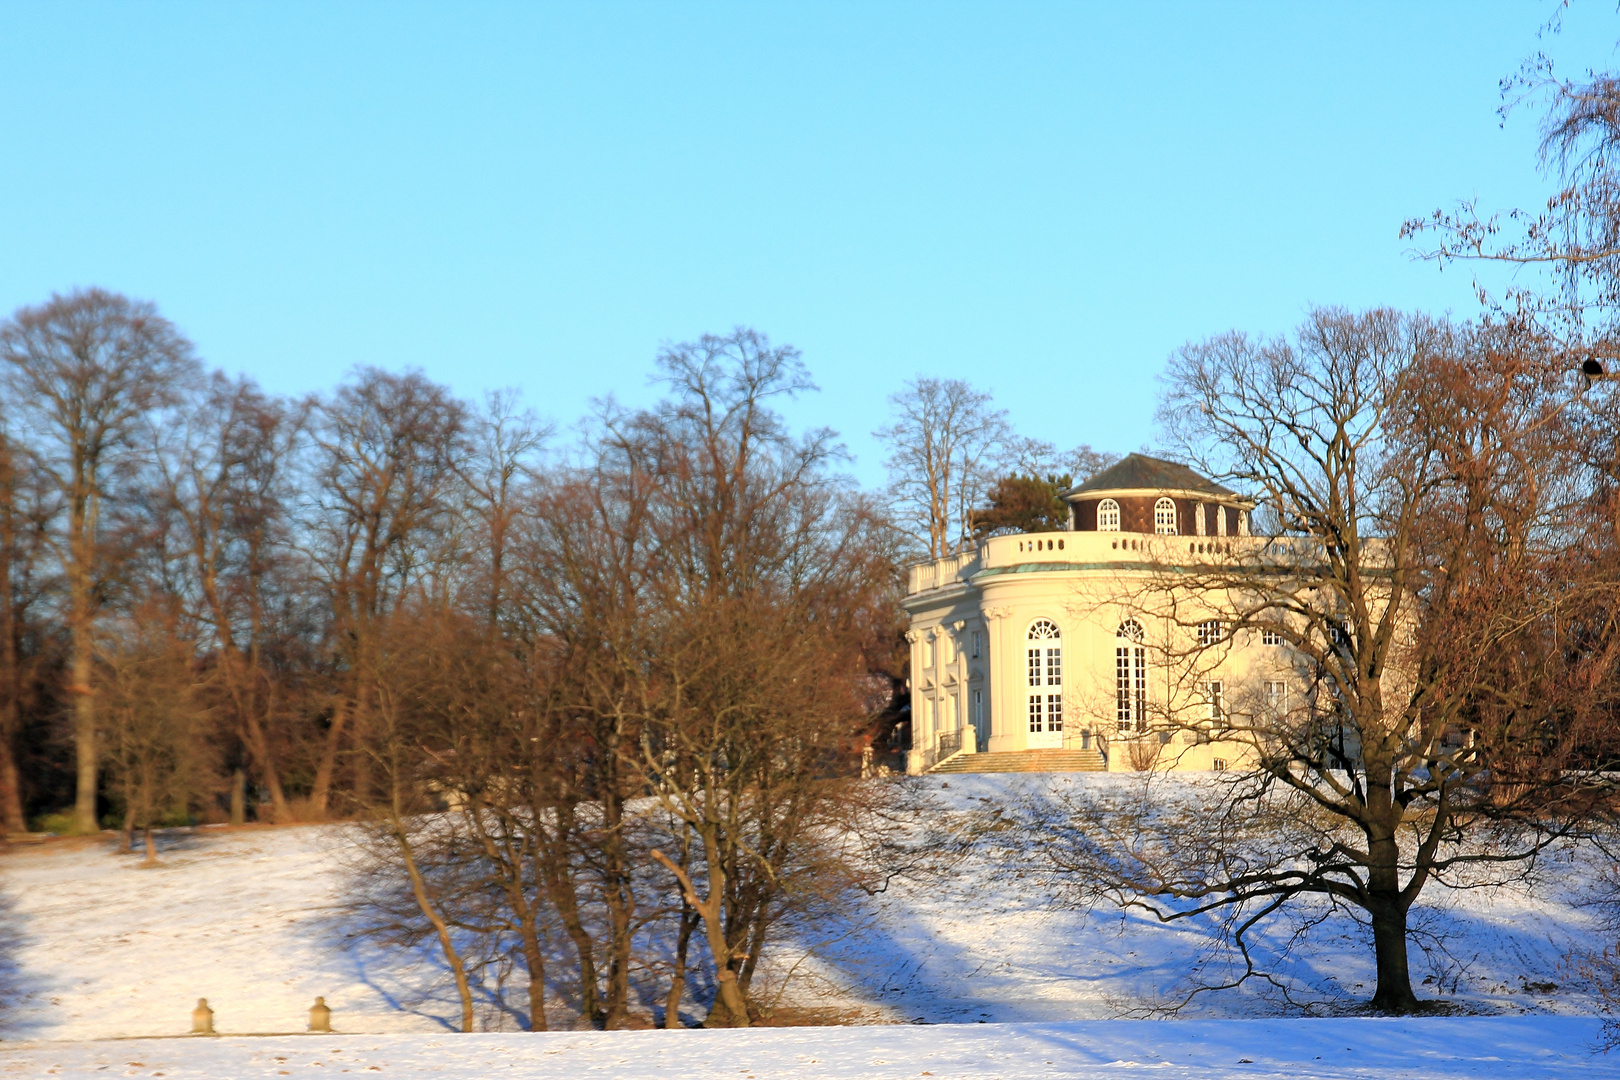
(1047, 738)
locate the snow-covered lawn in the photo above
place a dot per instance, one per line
(1501, 1048)
(251, 920)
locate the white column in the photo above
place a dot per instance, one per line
(999, 678)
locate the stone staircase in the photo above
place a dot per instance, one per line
(1024, 761)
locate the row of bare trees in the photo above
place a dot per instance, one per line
(659, 735)
(584, 694)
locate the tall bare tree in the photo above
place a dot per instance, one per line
(80, 374)
(226, 476)
(383, 492)
(765, 566)
(1435, 712)
(501, 460)
(25, 513)
(945, 442)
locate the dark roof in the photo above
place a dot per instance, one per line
(1141, 471)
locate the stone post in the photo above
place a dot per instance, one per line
(202, 1018)
(320, 1017)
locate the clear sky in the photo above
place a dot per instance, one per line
(1043, 199)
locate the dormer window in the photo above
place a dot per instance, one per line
(1164, 517)
(1108, 516)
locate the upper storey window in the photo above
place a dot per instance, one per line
(1164, 517)
(1108, 516)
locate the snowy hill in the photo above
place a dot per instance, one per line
(251, 920)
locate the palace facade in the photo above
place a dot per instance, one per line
(1050, 650)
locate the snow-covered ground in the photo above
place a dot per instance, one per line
(252, 920)
(972, 948)
(1462, 1048)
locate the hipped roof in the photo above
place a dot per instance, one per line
(1138, 471)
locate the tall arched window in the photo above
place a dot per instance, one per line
(1045, 676)
(1164, 517)
(1130, 677)
(1108, 516)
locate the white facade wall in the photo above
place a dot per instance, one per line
(1087, 584)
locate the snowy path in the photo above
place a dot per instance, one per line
(1502, 1048)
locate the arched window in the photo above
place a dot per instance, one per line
(1164, 517)
(1045, 677)
(1108, 516)
(1130, 677)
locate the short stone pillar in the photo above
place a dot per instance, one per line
(320, 1017)
(202, 1018)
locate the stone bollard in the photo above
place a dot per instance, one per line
(320, 1017)
(202, 1018)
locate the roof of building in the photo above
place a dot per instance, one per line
(1138, 472)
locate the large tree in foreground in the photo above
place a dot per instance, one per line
(1428, 677)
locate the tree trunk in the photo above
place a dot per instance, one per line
(560, 887)
(730, 1009)
(269, 775)
(535, 960)
(619, 898)
(321, 791)
(151, 848)
(238, 797)
(677, 983)
(1394, 995)
(11, 807)
(440, 927)
(84, 730)
(81, 554)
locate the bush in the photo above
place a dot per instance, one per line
(58, 823)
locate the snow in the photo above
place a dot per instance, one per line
(993, 981)
(1435, 1049)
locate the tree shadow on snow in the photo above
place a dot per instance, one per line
(18, 984)
(992, 942)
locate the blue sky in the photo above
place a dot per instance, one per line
(1043, 199)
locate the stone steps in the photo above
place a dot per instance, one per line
(1024, 761)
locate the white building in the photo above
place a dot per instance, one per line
(1050, 650)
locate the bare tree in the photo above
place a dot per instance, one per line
(500, 462)
(160, 760)
(1575, 238)
(226, 478)
(25, 512)
(80, 373)
(945, 441)
(765, 568)
(1433, 721)
(384, 484)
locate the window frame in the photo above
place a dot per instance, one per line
(1110, 522)
(1166, 524)
(1130, 678)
